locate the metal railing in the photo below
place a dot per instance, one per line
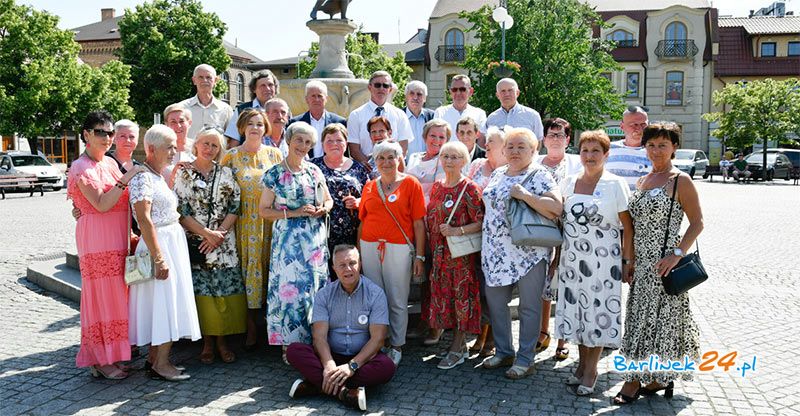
(451, 53)
(683, 48)
(627, 43)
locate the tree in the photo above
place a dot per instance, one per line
(163, 42)
(44, 88)
(365, 56)
(561, 64)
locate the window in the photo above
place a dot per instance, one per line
(225, 78)
(675, 36)
(454, 37)
(240, 88)
(793, 49)
(768, 49)
(674, 95)
(623, 38)
(453, 49)
(632, 84)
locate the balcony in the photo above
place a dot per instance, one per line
(627, 43)
(451, 54)
(676, 49)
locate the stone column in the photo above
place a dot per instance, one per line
(332, 61)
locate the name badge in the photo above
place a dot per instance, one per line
(362, 319)
(655, 192)
(448, 204)
(392, 198)
(597, 194)
(201, 184)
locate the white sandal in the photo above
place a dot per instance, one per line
(517, 372)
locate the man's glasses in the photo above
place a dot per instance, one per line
(102, 133)
(458, 89)
(381, 85)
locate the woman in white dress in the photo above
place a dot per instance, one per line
(591, 270)
(161, 310)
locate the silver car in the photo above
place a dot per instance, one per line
(691, 161)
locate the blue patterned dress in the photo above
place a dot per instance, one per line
(299, 264)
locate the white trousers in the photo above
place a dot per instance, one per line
(393, 275)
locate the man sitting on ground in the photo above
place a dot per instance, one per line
(349, 325)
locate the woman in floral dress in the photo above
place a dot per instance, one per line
(296, 198)
(248, 163)
(208, 200)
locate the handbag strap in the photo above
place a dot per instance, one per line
(669, 215)
(211, 195)
(453, 211)
(385, 205)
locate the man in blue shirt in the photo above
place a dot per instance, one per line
(349, 325)
(511, 112)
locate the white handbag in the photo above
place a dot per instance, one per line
(462, 245)
(139, 266)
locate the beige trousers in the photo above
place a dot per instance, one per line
(393, 275)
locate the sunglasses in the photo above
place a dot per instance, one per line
(381, 85)
(458, 89)
(102, 133)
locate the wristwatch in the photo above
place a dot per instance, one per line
(627, 261)
(353, 365)
(677, 251)
(420, 258)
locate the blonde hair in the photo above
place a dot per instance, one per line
(211, 132)
(457, 148)
(525, 134)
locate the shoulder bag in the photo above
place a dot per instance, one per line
(529, 228)
(461, 245)
(194, 240)
(412, 250)
(138, 266)
(689, 272)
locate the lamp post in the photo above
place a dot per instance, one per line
(501, 16)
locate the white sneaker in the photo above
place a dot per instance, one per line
(395, 356)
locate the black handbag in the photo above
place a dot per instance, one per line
(689, 272)
(196, 257)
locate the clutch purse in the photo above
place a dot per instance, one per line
(529, 228)
(138, 268)
(689, 272)
(462, 245)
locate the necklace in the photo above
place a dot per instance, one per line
(147, 165)
(657, 172)
(388, 187)
(285, 163)
(90, 156)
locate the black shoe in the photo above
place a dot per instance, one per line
(301, 388)
(621, 399)
(668, 390)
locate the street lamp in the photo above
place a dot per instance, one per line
(501, 16)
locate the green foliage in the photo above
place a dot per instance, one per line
(561, 63)
(765, 110)
(163, 41)
(44, 88)
(365, 56)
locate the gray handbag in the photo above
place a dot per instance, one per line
(529, 228)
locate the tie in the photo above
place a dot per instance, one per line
(378, 111)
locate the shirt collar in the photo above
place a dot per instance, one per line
(256, 104)
(196, 101)
(358, 286)
(513, 110)
(411, 114)
(311, 117)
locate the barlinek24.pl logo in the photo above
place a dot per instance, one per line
(710, 361)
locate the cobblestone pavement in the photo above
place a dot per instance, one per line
(749, 305)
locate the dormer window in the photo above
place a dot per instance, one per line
(623, 38)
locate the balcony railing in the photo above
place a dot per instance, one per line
(627, 43)
(683, 48)
(451, 53)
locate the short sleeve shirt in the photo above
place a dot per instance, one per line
(519, 116)
(357, 125)
(217, 114)
(449, 114)
(629, 163)
(407, 203)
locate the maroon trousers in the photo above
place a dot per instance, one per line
(379, 370)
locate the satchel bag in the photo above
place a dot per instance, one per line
(194, 240)
(462, 245)
(529, 228)
(138, 266)
(689, 272)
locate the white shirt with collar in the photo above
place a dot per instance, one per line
(318, 125)
(449, 114)
(519, 116)
(232, 131)
(357, 125)
(417, 123)
(217, 114)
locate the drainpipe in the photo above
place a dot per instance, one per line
(644, 87)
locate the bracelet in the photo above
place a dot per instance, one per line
(627, 261)
(121, 185)
(462, 230)
(284, 214)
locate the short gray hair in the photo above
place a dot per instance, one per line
(417, 86)
(461, 77)
(493, 131)
(156, 136)
(302, 128)
(634, 109)
(508, 80)
(316, 84)
(264, 73)
(387, 146)
(377, 74)
(125, 123)
(206, 67)
(177, 107)
(274, 101)
(343, 247)
(455, 147)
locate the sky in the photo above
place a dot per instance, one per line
(275, 30)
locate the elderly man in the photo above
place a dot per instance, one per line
(349, 324)
(317, 116)
(512, 113)
(467, 132)
(416, 94)
(359, 142)
(264, 86)
(627, 158)
(207, 110)
(461, 91)
(278, 115)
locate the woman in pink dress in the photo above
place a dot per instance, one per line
(98, 189)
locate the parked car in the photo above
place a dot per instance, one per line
(792, 154)
(691, 161)
(15, 162)
(778, 165)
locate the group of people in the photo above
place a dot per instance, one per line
(327, 222)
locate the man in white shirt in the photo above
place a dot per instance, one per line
(207, 111)
(380, 89)
(627, 158)
(263, 87)
(316, 99)
(512, 113)
(461, 91)
(278, 115)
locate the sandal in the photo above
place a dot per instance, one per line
(207, 357)
(542, 345)
(115, 374)
(622, 399)
(517, 372)
(452, 359)
(227, 356)
(573, 381)
(561, 354)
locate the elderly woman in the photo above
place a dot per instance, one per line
(380, 130)
(557, 133)
(97, 188)
(345, 179)
(162, 310)
(506, 264)
(392, 237)
(480, 170)
(467, 133)
(655, 322)
(208, 201)
(591, 269)
(248, 163)
(296, 197)
(455, 209)
(425, 165)
(126, 138)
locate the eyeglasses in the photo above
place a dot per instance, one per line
(377, 132)
(102, 133)
(208, 127)
(452, 157)
(458, 89)
(381, 85)
(556, 136)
